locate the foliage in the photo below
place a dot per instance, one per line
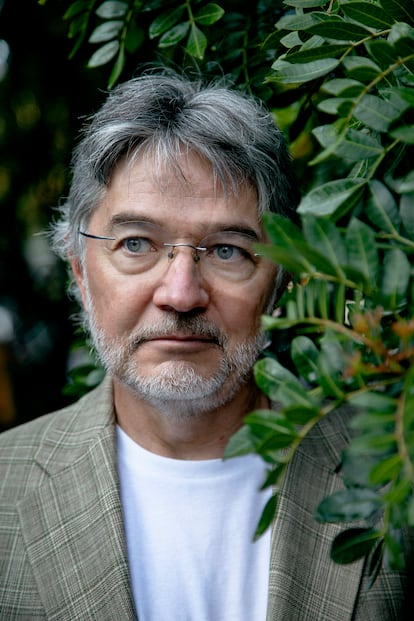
(339, 77)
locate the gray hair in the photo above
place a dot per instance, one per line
(163, 114)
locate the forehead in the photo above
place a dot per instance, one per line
(188, 193)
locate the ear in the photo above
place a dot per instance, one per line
(78, 274)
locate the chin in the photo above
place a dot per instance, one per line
(181, 389)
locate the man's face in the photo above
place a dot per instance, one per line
(180, 328)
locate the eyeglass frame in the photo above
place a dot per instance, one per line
(197, 248)
(172, 245)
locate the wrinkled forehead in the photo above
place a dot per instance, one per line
(183, 172)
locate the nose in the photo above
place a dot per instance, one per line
(182, 287)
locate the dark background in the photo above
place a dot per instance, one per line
(43, 97)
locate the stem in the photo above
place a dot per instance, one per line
(400, 437)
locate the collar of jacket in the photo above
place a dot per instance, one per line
(72, 523)
(74, 536)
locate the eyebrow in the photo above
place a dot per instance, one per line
(129, 217)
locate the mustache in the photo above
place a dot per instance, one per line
(185, 325)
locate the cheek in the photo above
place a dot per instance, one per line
(118, 302)
(241, 314)
(250, 304)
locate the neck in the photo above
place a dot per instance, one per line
(180, 431)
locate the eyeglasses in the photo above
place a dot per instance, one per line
(137, 247)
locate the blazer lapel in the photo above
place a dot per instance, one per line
(74, 536)
(304, 582)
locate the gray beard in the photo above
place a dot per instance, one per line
(177, 389)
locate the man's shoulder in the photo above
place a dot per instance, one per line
(324, 444)
(50, 443)
(86, 414)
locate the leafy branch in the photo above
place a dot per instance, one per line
(339, 76)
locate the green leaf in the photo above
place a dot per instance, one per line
(400, 10)
(405, 93)
(78, 25)
(332, 353)
(111, 9)
(174, 35)
(75, 8)
(305, 356)
(349, 505)
(356, 469)
(339, 106)
(240, 443)
(407, 213)
(318, 53)
(366, 13)
(353, 544)
(382, 52)
(376, 113)
(402, 36)
(359, 145)
(372, 444)
(329, 381)
(381, 208)
(324, 235)
(374, 423)
(290, 248)
(399, 492)
(106, 31)
(165, 22)
(104, 54)
(197, 43)
(209, 14)
(362, 251)
(295, 22)
(270, 375)
(410, 512)
(343, 87)
(374, 402)
(334, 198)
(394, 551)
(361, 68)
(117, 68)
(395, 279)
(263, 421)
(274, 475)
(405, 133)
(283, 256)
(290, 40)
(353, 145)
(339, 30)
(306, 4)
(288, 73)
(405, 185)
(267, 516)
(135, 37)
(301, 414)
(386, 470)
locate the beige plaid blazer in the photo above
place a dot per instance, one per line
(62, 542)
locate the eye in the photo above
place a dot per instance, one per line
(229, 252)
(137, 245)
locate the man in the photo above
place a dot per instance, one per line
(121, 506)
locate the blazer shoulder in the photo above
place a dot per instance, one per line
(36, 449)
(324, 444)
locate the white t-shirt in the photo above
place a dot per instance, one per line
(189, 531)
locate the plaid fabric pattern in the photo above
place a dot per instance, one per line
(62, 542)
(305, 584)
(62, 548)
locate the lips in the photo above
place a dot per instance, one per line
(184, 338)
(177, 330)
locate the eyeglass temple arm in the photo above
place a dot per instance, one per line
(95, 236)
